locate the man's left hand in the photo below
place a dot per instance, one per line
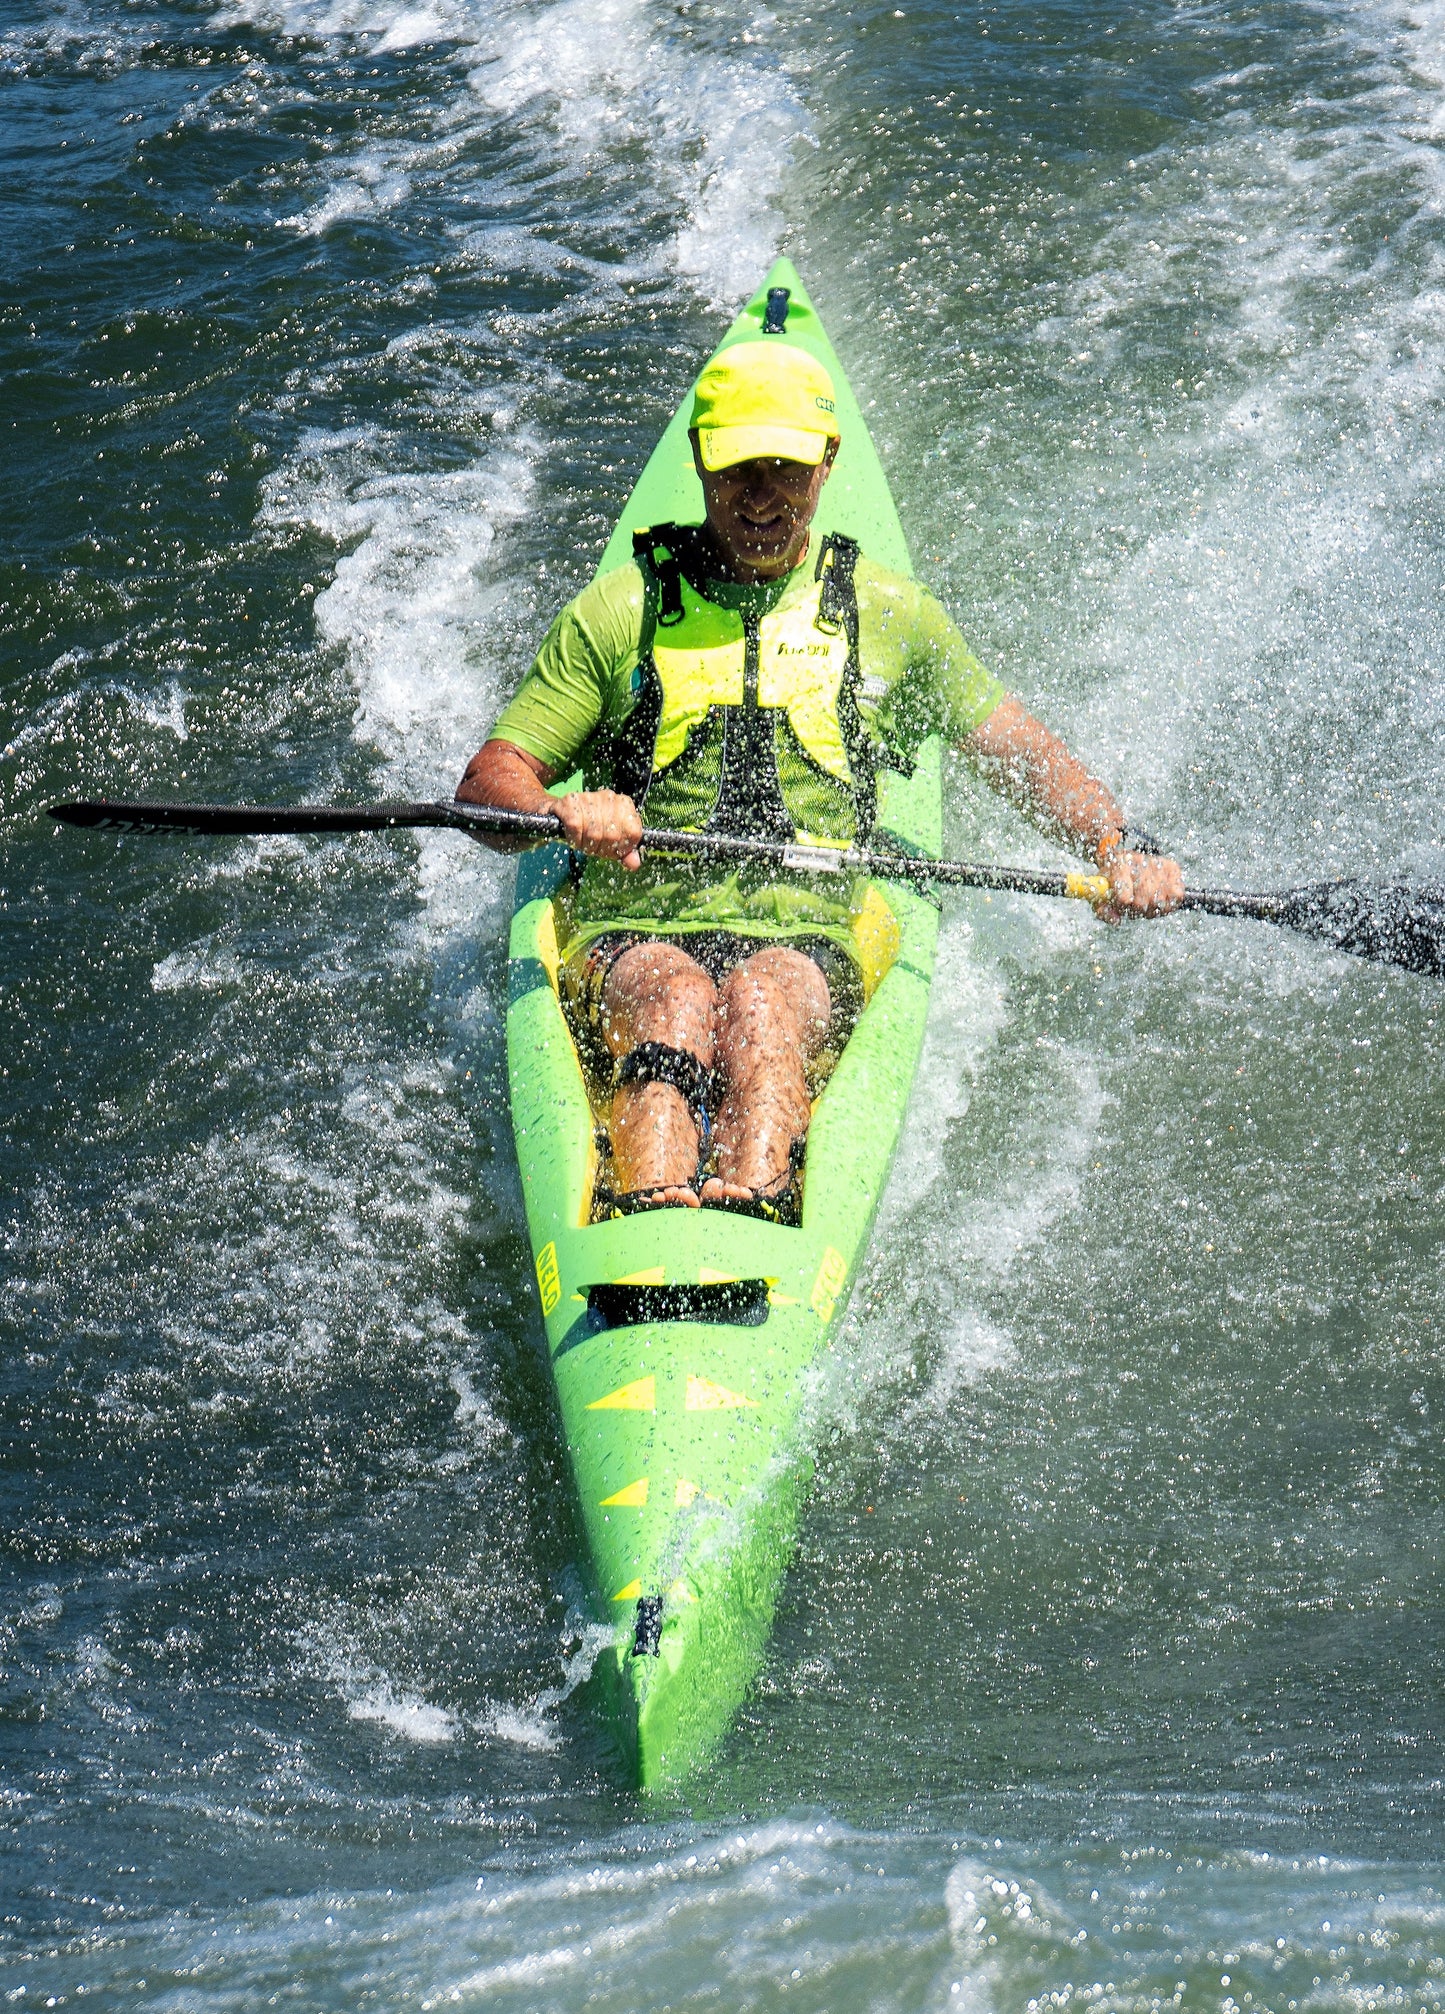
(1140, 884)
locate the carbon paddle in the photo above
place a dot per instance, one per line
(1392, 923)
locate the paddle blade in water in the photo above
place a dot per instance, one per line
(1393, 923)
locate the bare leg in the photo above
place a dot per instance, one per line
(656, 993)
(773, 1013)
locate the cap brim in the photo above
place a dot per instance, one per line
(724, 447)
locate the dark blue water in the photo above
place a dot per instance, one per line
(1109, 1672)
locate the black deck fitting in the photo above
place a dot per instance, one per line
(776, 318)
(647, 1635)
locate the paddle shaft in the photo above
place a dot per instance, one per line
(1394, 924)
(487, 822)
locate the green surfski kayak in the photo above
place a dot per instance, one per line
(682, 1341)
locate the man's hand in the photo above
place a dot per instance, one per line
(1140, 884)
(602, 824)
(1033, 768)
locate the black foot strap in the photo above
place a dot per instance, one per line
(660, 1063)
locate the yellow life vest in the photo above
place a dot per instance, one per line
(746, 719)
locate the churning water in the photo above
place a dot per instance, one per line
(1109, 1671)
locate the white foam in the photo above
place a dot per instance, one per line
(594, 82)
(416, 27)
(370, 1694)
(520, 1726)
(954, 1047)
(196, 967)
(1277, 542)
(474, 1413)
(719, 128)
(408, 601)
(168, 713)
(74, 35)
(371, 185)
(374, 22)
(402, 1713)
(972, 1348)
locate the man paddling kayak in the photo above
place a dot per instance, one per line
(731, 680)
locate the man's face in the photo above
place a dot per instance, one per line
(759, 512)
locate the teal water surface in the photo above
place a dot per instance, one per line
(333, 333)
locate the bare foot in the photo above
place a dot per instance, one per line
(714, 1190)
(670, 1199)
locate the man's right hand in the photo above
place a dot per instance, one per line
(602, 824)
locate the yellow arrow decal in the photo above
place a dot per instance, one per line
(629, 1593)
(634, 1496)
(639, 1397)
(703, 1396)
(652, 1276)
(685, 1494)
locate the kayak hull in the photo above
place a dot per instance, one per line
(684, 1343)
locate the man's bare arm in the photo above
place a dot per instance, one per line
(1022, 759)
(1036, 771)
(602, 823)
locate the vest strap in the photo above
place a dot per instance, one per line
(750, 793)
(838, 603)
(655, 550)
(838, 609)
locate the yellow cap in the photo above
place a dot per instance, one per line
(763, 399)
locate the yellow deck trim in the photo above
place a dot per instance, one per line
(632, 1497)
(638, 1397)
(703, 1396)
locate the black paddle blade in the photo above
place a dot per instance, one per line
(104, 814)
(1394, 923)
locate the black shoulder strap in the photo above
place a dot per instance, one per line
(635, 747)
(838, 609)
(838, 603)
(655, 549)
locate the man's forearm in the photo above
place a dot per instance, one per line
(1036, 771)
(506, 776)
(503, 775)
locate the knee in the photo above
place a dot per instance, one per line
(656, 993)
(655, 963)
(770, 1023)
(780, 993)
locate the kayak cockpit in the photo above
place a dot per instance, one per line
(876, 938)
